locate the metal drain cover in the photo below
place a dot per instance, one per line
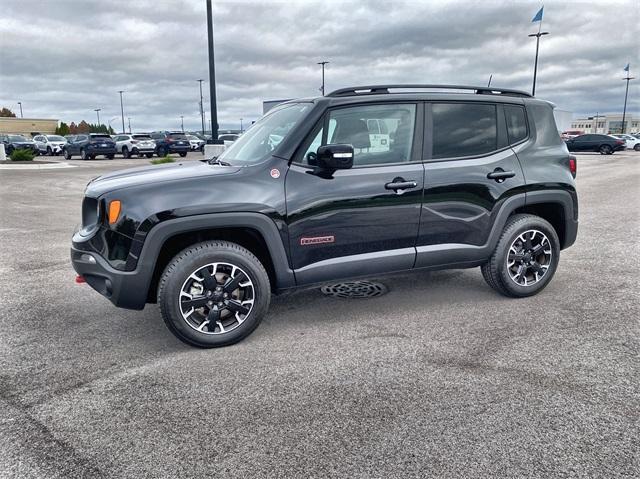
(355, 289)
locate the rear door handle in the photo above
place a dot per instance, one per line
(399, 185)
(500, 175)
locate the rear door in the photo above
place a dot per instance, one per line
(470, 170)
(355, 222)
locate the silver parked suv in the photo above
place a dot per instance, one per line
(137, 144)
(49, 144)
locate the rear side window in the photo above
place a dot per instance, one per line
(516, 123)
(464, 129)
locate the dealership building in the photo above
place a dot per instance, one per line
(608, 123)
(27, 126)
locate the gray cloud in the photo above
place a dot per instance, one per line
(63, 59)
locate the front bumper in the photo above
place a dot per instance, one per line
(122, 288)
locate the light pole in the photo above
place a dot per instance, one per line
(595, 124)
(182, 122)
(241, 125)
(201, 106)
(97, 110)
(323, 63)
(535, 66)
(122, 110)
(20, 103)
(129, 120)
(212, 76)
(626, 93)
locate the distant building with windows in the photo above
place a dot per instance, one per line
(608, 123)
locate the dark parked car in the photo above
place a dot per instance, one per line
(605, 144)
(18, 142)
(171, 142)
(89, 146)
(309, 194)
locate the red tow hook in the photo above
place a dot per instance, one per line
(80, 279)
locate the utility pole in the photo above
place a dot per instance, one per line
(20, 103)
(182, 122)
(129, 120)
(122, 110)
(323, 63)
(201, 106)
(626, 94)
(212, 76)
(97, 110)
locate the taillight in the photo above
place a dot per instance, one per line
(573, 165)
(169, 140)
(134, 141)
(620, 142)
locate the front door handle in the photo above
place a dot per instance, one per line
(500, 175)
(399, 185)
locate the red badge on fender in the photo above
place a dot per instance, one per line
(275, 173)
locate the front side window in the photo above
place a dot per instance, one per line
(265, 135)
(379, 134)
(464, 129)
(516, 123)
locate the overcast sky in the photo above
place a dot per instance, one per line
(64, 58)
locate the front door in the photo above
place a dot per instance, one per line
(357, 221)
(470, 170)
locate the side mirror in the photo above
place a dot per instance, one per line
(334, 157)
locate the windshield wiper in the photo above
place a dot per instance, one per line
(216, 161)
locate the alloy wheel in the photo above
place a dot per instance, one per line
(216, 298)
(529, 258)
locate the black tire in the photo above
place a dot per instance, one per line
(162, 151)
(49, 152)
(83, 155)
(636, 147)
(496, 272)
(125, 152)
(605, 150)
(66, 154)
(183, 154)
(191, 260)
(111, 156)
(149, 155)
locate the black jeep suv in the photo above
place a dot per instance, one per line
(359, 183)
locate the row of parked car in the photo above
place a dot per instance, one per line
(91, 145)
(604, 144)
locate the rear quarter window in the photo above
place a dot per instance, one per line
(545, 123)
(516, 123)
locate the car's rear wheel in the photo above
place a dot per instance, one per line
(125, 152)
(66, 154)
(636, 147)
(84, 155)
(525, 258)
(149, 155)
(163, 151)
(213, 294)
(605, 150)
(183, 154)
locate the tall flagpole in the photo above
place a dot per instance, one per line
(626, 93)
(535, 66)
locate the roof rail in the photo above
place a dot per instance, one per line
(384, 89)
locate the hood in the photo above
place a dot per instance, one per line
(155, 174)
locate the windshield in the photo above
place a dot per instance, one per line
(17, 138)
(55, 138)
(267, 133)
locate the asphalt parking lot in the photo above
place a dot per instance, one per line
(439, 377)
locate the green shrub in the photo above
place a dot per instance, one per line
(22, 155)
(159, 161)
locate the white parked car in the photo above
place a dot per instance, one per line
(633, 143)
(138, 144)
(195, 143)
(50, 145)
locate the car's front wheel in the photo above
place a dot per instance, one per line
(84, 155)
(125, 152)
(636, 147)
(66, 154)
(525, 258)
(182, 154)
(49, 152)
(213, 294)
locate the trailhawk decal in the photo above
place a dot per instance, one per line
(317, 240)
